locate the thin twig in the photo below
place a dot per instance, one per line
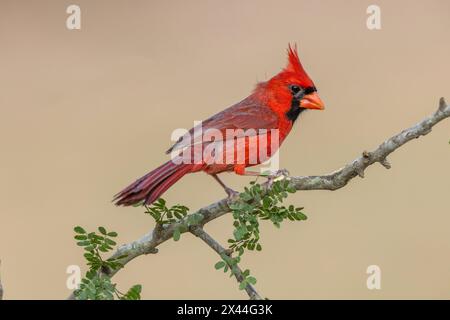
(213, 244)
(336, 180)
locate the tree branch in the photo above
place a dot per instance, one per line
(199, 232)
(333, 181)
(341, 177)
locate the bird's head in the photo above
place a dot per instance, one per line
(291, 90)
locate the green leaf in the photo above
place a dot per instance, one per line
(80, 237)
(102, 230)
(89, 248)
(134, 293)
(112, 234)
(291, 189)
(246, 196)
(79, 230)
(176, 234)
(178, 215)
(183, 228)
(219, 265)
(110, 242)
(242, 285)
(300, 216)
(251, 280)
(90, 257)
(83, 243)
(267, 202)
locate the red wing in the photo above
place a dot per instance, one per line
(247, 114)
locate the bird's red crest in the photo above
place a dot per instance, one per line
(295, 67)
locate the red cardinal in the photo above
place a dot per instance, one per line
(275, 104)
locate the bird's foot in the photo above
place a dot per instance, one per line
(282, 173)
(277, 175)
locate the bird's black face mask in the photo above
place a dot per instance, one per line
(297, 95)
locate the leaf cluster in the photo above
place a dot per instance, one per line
(253, 205)
(176, 214)
(231, 263)
(97, 285)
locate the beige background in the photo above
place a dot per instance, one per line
(83, 113)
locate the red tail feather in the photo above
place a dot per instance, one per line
(151, 186)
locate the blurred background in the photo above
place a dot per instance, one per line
(86, 112)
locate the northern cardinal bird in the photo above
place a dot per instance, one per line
(274, 104)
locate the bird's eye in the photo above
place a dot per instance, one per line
(294, 89)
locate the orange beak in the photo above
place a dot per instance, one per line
(312, 101)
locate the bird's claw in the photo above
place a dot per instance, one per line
(282, 173)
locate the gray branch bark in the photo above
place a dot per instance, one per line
(333, 181)
(213, 244)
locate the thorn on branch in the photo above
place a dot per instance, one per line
(385, 163)
(366, 156)
(152, 251)
(360, 172)
(366, 159)
(412, 134)
(424, 132)
(442, 104)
